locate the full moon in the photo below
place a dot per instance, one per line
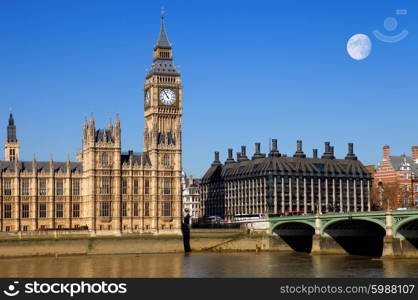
(359, 46)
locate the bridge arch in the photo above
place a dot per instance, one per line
(297, 234)
(324, 227)
(277, 224)
(408, 228)
(357, 236)
(403, 222)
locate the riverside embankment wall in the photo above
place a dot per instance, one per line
(56, 244)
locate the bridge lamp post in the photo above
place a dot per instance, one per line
(383, 199)
(412, 187)
(386, 199)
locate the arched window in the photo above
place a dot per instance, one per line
(166, 161)
(105, 159)
(167, 186)
(12, 155)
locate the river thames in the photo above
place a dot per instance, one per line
(201, 264)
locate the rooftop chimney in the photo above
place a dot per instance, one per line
(315, 153)
(328, 151)
(274, 145)
(350, 154)
(274, 151)
(258, 153)
(299, 153)
(386, 152)
(415, 153)
(230, 158)
(243, 155)
(238, 156)
(216, 162)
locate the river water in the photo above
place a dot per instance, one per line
(241, 264)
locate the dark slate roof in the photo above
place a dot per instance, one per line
(40, 166)
(104, 135)
(290, 166)
(403, 160)
(138, 158)
(163, 67)
(162, 41)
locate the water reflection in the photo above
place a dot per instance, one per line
(270, 264)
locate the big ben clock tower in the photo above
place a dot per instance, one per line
(162, 135)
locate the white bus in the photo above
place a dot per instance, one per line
(248, 217)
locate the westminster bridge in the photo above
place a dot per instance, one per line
(374, 233)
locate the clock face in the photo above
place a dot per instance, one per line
(167, 96)
(147, 98)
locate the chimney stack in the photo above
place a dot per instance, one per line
(243, 155)
(386, 152)
(230, 158)
(299, 153)
(258, 153)
(350, 154)
(327, 148)
(415, 153)
(238, 156)
(257, 147)
(328, 151)
(273, 151)
(216, 162)
(273, 145)
(315, 153)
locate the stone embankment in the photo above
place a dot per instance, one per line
(83, 243)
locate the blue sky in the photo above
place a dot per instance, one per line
(251, 70)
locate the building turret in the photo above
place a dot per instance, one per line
(11, 146)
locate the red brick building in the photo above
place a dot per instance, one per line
(399, 173)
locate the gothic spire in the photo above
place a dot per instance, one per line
(11, 120)
(11, 130)
(162, 41)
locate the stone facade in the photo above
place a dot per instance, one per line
(277, 184)
(191, 196)
(106, 190)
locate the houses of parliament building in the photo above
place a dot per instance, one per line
(106, 190)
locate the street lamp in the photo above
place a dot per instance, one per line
(412, 187)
